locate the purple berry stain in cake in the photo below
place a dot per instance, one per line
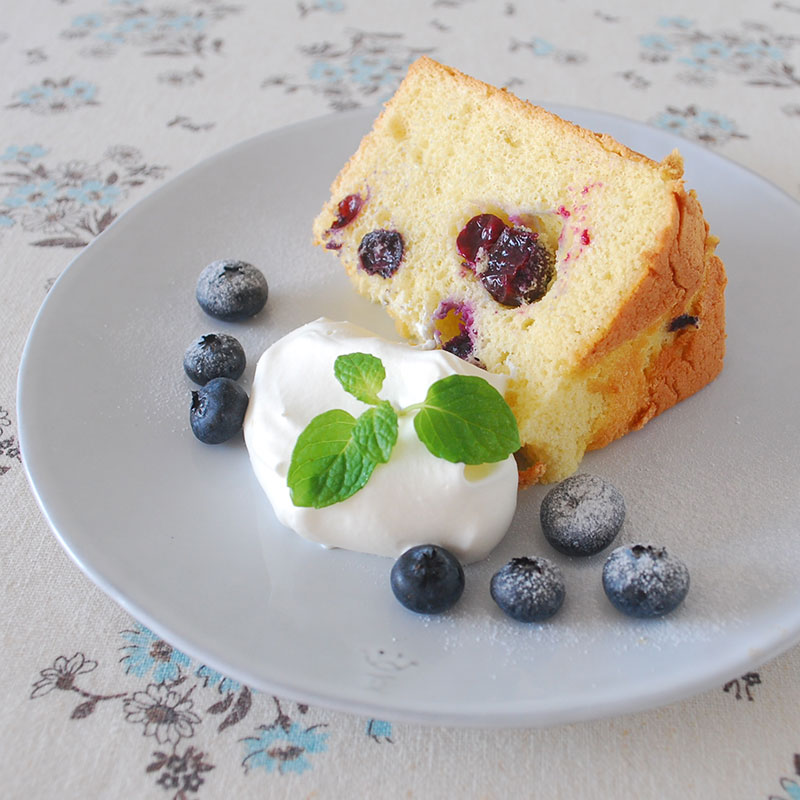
(453, 329)
(381, 252)
(347, 211)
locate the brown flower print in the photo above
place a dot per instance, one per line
(62, 674)
(165, 713)
(181, 773)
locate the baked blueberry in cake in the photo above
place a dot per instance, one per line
(535, 248)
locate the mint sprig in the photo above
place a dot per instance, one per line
(463, 419)
(362, 375)
(336, 454)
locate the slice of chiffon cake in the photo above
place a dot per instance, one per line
(535, 248)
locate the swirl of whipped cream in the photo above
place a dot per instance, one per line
(415, 498)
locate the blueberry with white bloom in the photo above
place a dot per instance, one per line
(214, 355)
(528, 589)
(582, 515)
(645, 580)
(231, 290)
(218, 410)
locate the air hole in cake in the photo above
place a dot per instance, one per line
(397, 127)
(453, 329)
(381, 252)
(548, 224)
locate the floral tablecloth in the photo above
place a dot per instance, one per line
(102, 101)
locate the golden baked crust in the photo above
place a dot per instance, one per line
(634, 321)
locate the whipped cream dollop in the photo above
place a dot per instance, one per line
(414, 498)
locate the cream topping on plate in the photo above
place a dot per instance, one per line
(415, 498)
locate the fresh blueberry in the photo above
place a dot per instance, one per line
(231, 290)
(217, 410)
(214, 355)
(427, 579)
(528, 589)
(582, 515)
(645, 581)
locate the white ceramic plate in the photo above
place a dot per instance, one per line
(180, 534)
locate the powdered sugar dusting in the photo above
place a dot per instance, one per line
(582, 514)
(645, 580)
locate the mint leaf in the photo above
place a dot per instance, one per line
(375, 432)
(328, 463)
(465, 419)
(362, 375)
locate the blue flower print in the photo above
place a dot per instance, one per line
(714, 49)
(329, 6)
(34, 95)
(349, 73)
(111, 37)
(708, 127)
(325, 72)
(378, 729)
(88, 21)
(791, 788)
(32, 194)
(147, 653)
(756, 54)
(284, 747)
(760, 50)
(371, 70)
(51, 97)
(710, 120)
(675, 22)
(671, 121)
(137, 25)
(89, 192)
(697, 64)
(213, 678)
(184, 22)
(177, 30)
(540, 47)
(82, 89)
(657, 42)
(23, 154)
(70, 201)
